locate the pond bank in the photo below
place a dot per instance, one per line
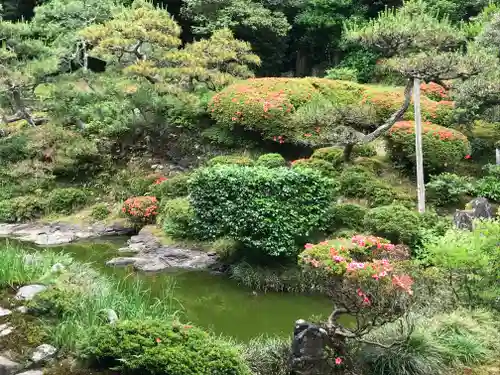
(210, 301)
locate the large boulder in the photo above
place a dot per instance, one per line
(28, 292)
(481, 208)
(308, 349)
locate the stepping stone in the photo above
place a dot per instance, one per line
(8, 367)
(22, 309)
(28, 292)
(4, 312)
(43, 352)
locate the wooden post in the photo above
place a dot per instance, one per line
(418, 147)
(497, 151)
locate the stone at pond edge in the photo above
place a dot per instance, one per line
(4, 312)
(61, 233)
(6, 329)
(31, 372)
(26, 293)
(481, 208)
(22, 309)
(152, 256)
(8, 367)
(43, 352)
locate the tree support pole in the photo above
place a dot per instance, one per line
(418, 147)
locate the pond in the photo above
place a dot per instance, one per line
(213, 302)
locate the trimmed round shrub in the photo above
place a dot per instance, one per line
(448, 188)
(322, 166)
(372, 164)
(141, 210)
(343, 74)
(348, 215)
(100, 211)
(22, 209)
(394, 222)
(333, 155)
(172, 187)
(267, 105)
(67, 200)
(177, 216)
(156, 347)
(443, 148)
(230, 160)
(271, 211)
(271, 161)
(13, 148)
(365, 150)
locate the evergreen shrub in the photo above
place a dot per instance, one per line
(271, 211)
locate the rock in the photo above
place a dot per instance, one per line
(43, 353)
(154, 166)
(31, 372)
(57, 268)
(112, 316)
(309, 341)
(6, 329)
(4, 312)
(152, 256)
(122, 261)
(463, 219)
(212, 253)
(60, 233)
(27, 292)
(481, 208)
(8, 367)
(22, 309)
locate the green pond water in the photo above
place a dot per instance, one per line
(213, 302)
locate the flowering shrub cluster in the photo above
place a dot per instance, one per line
(340, 258)
(443, 147)
(434, 91)
(141, 209)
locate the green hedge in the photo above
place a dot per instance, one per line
(172, 187)
(271, 161)
(22, 209)
(443, 148)
(272, 211)
(177, 216)
(155, 347)
(395, 222)
(67, 200)
(347, 216)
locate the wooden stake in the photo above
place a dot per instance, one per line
(418, 147)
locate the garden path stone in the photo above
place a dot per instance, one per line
(8, 367)
(43, 352)
(152, 256)
(4, 312)
(61, 233)
(28, 292)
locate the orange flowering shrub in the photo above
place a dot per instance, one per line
(141, 210)
(387, 102)
(266, 105)
(434, 91)
(443, 148)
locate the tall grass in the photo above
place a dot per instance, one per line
(81, 294)
(18, 267)
(437, 344)
(267, 355)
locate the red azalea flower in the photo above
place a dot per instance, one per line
(158, 340)
(338, 361)
(467, 156)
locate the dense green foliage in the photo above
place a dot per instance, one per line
(448, 188)
(158, 347)
(272, 211)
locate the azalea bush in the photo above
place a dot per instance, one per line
(434, 91)
(141, 210)
(322, 166)
(270, 211)
(172, 187)
(372, 292)
(271, 161)
(443, 148)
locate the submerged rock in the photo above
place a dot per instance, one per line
(43, 353)
(27, 292)
(152, 256)
(60, 233)
(8, 367)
